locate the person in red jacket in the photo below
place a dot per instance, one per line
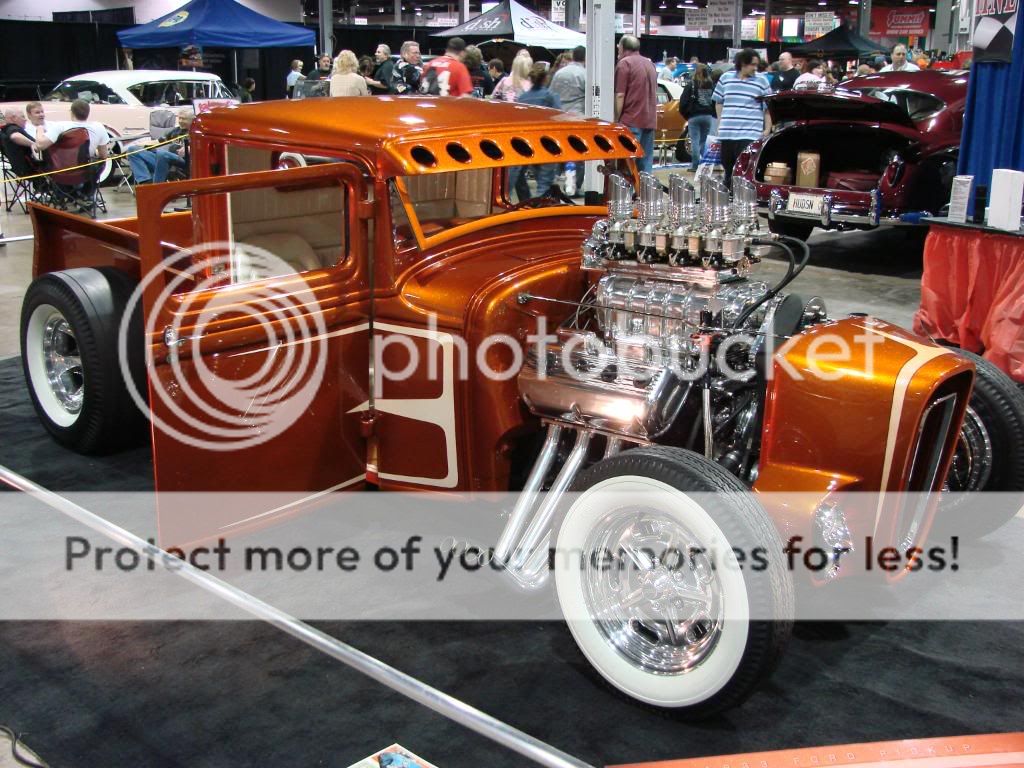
(447, 75)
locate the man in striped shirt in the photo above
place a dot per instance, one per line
(742, 113)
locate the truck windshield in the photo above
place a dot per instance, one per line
(440, 201)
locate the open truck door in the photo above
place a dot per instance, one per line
(257, 342)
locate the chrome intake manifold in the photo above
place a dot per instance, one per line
(670, 281)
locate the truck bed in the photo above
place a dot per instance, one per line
(66, 240)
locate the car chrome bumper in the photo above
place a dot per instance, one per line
(831, 211)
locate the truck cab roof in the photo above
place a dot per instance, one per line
(422, 135)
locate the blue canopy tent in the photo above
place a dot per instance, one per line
(993, 135)
(216, 23)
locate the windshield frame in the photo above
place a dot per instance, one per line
(215, 89)
(504, 210)
(891, 95)
(80, 86)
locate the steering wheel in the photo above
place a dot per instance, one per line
(553, 195)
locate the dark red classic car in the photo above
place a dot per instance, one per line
(887, 144)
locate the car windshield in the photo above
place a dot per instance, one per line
(178, 92)
(89, 90)
(920, 106)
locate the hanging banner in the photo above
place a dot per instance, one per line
(900, 22)
(558, 11)
(819, 23)
(721, 12)
(697, 20)
(994, 21)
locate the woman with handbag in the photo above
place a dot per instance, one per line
(699, 110)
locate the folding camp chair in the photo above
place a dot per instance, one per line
(15, 166)
(78, 186)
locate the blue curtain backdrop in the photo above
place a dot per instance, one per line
(993, 135)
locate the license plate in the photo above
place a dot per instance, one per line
(801, 203)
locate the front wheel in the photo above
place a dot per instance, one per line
(648, 589)
(986, 476)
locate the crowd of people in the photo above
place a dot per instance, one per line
(725, 99)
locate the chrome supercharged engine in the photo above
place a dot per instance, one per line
(672, 305)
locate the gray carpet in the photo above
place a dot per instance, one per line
(241, 693)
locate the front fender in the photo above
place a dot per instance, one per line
(847, 408)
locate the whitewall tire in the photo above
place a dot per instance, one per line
(651, 589)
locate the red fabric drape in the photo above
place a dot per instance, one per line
(972, 294)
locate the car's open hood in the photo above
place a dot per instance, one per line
(835, 105)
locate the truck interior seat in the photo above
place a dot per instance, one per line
(297, 255)
(304, 226)
(459, 195)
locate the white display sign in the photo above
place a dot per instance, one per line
(966, 16)
(748, 29)
(1006, 198)
(721, 13)
(959, 195)
(443, 21)
(558, 11)
(361, 21)
(697, 19)
(819, 23)
(626, 21)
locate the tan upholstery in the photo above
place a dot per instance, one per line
(303, 227)
(456, 195)
(295, 254)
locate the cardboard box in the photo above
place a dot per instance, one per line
(1005, 197)
(808, 169)
(778, 177)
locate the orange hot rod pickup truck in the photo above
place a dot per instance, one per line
(353, 299)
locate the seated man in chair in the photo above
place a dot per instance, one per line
(77, 186)
(99, 139)
(18, 146)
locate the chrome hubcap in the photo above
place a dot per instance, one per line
(652, 591)
(63, 363)
(971, 466)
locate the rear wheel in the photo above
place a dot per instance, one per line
(986, 477)
(789, 228)
(647, 588)
(69, 327)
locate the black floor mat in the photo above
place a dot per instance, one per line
(241, 693)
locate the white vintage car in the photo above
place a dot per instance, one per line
(122, 100)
